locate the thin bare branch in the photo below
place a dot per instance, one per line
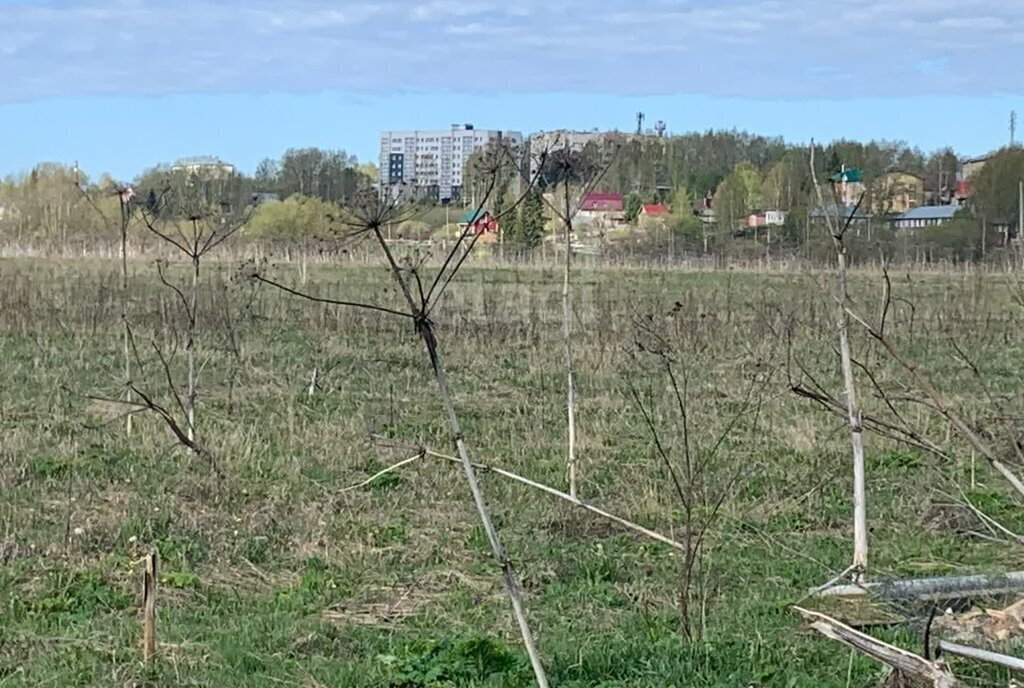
(389, 469)
(335, 302)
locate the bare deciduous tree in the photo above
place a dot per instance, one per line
(569, 167)
(701, 487)
(838, 226)
(126, 218)
(195, 235)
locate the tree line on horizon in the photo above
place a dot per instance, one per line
(745, 172)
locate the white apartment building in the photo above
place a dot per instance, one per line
(560, 139)
(433, 161)
(204, 166)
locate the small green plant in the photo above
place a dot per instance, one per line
(49, 467)
(80, 593)
(386, 483)
(897, 460)
(180, 579)
(319, 583)
(452, 663)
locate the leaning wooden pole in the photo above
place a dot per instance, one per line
(837, 228)
(149, 609)
(426, 333)
(125, 218)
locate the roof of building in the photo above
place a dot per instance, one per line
(901, 173)
(597, 200)
(471, 215)
(852, 174)
(980, 158)
(930, 212)
(654, 209)
(199, 160)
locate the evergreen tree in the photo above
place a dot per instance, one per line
(633, 205)
(152, 204)
(526, 232)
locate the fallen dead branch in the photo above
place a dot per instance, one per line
(979, 655)
(908, 669)
(597, 511)
(569, 498)
(381, 473)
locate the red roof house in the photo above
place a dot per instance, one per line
(600, 202)
(481, 223)
(654, 209)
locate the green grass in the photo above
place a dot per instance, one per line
(279, 576)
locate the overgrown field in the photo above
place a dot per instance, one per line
(279, 576)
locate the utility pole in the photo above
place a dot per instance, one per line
(1013, 128)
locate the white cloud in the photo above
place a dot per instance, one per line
(795, 48)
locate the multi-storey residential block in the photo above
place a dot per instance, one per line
(432, 162)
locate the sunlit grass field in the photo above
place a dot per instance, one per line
(279, 575)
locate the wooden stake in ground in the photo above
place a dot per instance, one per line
(837, 228)
(149, 609)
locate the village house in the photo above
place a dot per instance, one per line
(652, 214)
(601, 207)
(703, 209)
(896, 193)
(768, 218)
(478, 223)
(848, 185)
(925, 216)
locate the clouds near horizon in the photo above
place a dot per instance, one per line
(729, 48)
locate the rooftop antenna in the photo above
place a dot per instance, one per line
(640, 117)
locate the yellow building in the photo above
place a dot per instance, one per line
(896, 192)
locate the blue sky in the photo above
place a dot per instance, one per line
(120, 85)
